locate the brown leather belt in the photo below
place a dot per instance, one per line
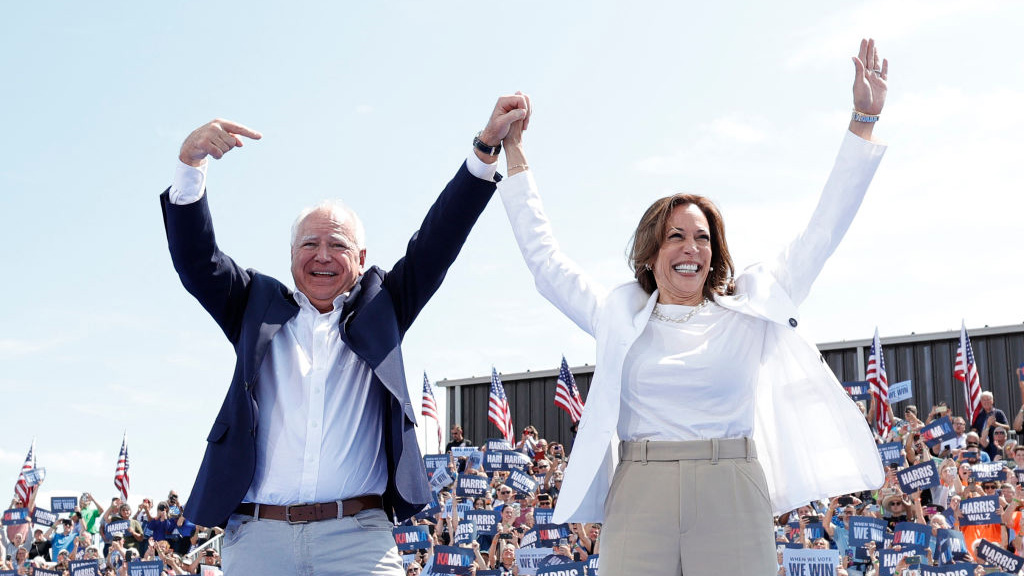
(303, 513)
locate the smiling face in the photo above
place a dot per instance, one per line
(684, 259)
(326, 260)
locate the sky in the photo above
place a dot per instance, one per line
(376, 103)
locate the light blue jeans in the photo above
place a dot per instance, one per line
(353, 545)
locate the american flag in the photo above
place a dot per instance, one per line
(967, 372)
(497, 409)
(22, 491)
(430, 406)
(121, 481)
(567, 396)
(879, 384)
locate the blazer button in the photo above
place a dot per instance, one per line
(792, 322)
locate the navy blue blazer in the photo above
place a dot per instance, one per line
(251, 307)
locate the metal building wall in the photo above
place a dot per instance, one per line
(925, 359)
(531, 397)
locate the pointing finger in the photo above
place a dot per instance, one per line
(239, 129)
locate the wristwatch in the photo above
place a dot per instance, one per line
(484, 147)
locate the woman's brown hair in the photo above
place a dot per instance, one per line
(650, 234)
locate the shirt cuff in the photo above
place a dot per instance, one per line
(189, 183)
(481, 169)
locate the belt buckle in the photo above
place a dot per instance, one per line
(288, 514)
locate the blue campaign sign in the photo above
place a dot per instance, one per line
(988, 471)
(980, 511)
(116, 528)
(411, 537)
(433, 462)
(938, 432)
(486, 521)
(999, 556)
(899, 391)
(888, 560)
(35, 476)
(864, 529)
(565, 569)
(430, 510)
(84, 568)
(476, 462)
(516, 460)
(15, 516)
(958, 569)
(549, 534)
(471, 486)
(465, 533)
(452, 559)
(918, 477)
(462, 451)
(912, 534)
(494, 461)
(43, 517)
(891, 453)
(441, 478)
(543, 515)
(497, 444)
(950, 546)
(521, 482)
(45, 572)
(60, 504)
(859, 390)
(147, 568)
(15, 573)
(592, 565)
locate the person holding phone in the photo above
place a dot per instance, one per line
(684, 350)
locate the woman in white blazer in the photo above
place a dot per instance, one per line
(697, 428)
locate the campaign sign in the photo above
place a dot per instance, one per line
(475, 461)
(529, 540)
(494, 461)
(63, 503)
(899, 391)
(84, 568)
(434, 462)
(514, 460)
(980, 511)
(912, 534)
(1020, 475)
(864, 530)
(116, 528)
(45, 572)
(35, 476)
(43, 517)
(452, 560)
(486, 521)
(887, 560)
(15, 516)
(959, 569)
(471, 486)
(950, 546)
(462, 451)
(521, 482)
(8, 573)
(430, 510)
(891, 453)
(411, 537)
(488, 573)
(465, 533)
(938, 431)
(528, 559)
(147, 568)
(441, 478)
(994, 554)
(858, 390)
(592, 565)
(207, 570)
(808, 561)
(543, 515)
(497, 444)
(549, 534)
(566, 569)
(918, 477)
(988, 471)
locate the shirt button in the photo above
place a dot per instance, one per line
(792, 322)
(314, 424)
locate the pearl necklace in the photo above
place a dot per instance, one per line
(657, 314)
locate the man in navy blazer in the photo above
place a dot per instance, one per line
(314, 453)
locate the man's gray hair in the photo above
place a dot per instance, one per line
(341, 212)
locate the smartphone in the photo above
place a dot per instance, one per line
(504, 536)
(941, 410)
(845, 500)
(912, 560)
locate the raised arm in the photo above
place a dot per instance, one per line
(858, 158)
(558, 279)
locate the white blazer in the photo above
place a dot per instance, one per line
(812, 440)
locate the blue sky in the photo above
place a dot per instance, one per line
(376, 103)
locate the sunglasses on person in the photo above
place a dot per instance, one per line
(895, 504)
(972, 444)
(988, 486)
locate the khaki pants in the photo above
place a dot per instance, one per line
(695, 508)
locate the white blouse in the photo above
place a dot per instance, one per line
(692, 381)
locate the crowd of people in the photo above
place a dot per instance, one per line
(113, 535)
